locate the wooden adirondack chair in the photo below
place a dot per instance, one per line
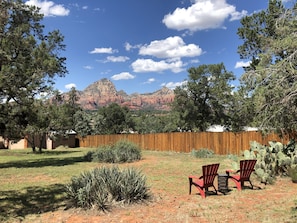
(206, 180)
(245, 171)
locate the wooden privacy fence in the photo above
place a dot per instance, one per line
(220, 142)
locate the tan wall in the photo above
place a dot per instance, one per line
(48, 143)
(21, 144)
(220, 142)
(5, 144)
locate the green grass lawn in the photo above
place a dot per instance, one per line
(34, 183)
(31, 184)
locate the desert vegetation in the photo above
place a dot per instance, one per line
(63, 185)
(120, 152)
(34, 189)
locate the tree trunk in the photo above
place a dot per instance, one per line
(41, 140)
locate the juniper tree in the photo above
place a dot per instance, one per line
(29, 61)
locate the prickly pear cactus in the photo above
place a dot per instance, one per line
(273, 160)
(249, 154)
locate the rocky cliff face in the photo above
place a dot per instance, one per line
(103, 92)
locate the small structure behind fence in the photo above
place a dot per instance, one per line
(220, 142)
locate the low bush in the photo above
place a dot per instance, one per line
(102, 187)
(274, 159)
(202, 153)
(121, 152)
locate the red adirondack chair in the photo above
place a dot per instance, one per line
(245, 171)
(206, 180)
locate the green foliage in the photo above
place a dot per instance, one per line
(114, 119)
(242, 112)
(156, 122)
(202, 153)
(121, 152)
(273, 160)
(269, 82)
(88, 156)
(51, 116)
(293, 172)
(29, 63)
(257, 28)
(234, 159)
(102, 187)
(82, 123)
(205, 98)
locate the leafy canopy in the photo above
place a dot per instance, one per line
(205, 98)
(29, 63)
(270, 81)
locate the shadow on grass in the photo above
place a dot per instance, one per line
(56, 152)
(31, 200)
(42, 162)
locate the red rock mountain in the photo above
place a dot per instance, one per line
(103, 92)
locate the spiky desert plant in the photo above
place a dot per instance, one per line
(102, 187)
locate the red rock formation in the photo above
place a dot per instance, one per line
(103, 92)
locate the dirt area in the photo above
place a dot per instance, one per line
(266, 204)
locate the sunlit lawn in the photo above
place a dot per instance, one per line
(31, 184)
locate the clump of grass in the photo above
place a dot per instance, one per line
(294, 212)
(232, 157)
(102, 187)
(121, 152)
(202, 153)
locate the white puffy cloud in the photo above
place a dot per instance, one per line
(49, 8)
(103, 50)
(171, 47)
(88, 67)
(150, 80)
(117, 59)
(240, 64)
(129, 47)
(123, 76)
(69, 86)
(173, 85)
(202, 14)
(149, 65)
(238, 15)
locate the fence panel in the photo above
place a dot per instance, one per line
(220, 142)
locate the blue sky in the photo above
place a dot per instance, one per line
(143, 45)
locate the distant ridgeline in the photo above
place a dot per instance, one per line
(103, 92)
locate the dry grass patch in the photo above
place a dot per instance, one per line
(31, 190)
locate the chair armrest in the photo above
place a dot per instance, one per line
(194, 177)
(232, 171)
(229, 171)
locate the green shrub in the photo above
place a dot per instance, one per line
(88, 156)
(102, 187)
(232, 157)
(121, 152)
(104, 154)
(202, 153)
(273, 160)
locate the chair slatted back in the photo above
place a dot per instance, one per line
(246, 168)
(209, 173)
